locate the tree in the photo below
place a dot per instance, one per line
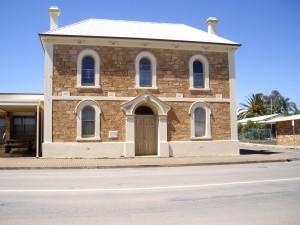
(255, 106)
(276, 103)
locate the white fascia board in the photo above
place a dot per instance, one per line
(19, 103)
(139, 43)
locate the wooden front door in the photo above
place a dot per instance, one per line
(145, 135)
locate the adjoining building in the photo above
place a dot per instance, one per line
(287, 130)
(125, 88)
(21, 121)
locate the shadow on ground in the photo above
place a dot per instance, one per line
(255, 152)
(21, 152)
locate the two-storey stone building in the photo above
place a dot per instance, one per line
(125, 88)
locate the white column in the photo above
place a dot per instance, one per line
(163, 146)
(129, 148)
(37, 130)
(48, 74)
(232, 87)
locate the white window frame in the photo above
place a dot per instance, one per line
(92, 53)
(152, 59)
(205, 66)
(192, 109)
(78, 110)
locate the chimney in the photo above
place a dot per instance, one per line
(54, 13)
(212, 25)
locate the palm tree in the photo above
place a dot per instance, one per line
(255, 106)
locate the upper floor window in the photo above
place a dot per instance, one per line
(198, 81)
(145, 73)
(88, 69)
(145, 66)
(199, 73)
(88, 120)
(200, 121)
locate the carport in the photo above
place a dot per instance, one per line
(21, 121)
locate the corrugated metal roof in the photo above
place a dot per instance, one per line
(138, 30)
(285, 118)
(259, 119)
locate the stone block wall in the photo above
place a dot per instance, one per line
(113, 118)
(117, 71)
(284, 133)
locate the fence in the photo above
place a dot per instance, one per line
(258, 135)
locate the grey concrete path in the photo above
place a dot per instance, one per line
(42, 163)
(255, 194)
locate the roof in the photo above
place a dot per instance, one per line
(20, 99)
(285, 118)
(137, 30)
(259, 119)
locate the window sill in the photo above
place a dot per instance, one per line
(81, 139)
(89, 87)
(199, 89)
(201, 138)
(145, 88)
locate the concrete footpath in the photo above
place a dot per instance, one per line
(49, 163)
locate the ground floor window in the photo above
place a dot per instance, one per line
(23, 127)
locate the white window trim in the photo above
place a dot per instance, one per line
(78, 111)
(81, 55)
(205, 65)
(204, 106)
(152, 59)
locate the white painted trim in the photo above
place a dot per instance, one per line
(205, 65)
(152, 59)
(118, 149)
(161, 110)
(204, 106)
(159, 107)
(204, 148)
(48, 74)
(83, 150)
(232, 92)
(81, 55)
(122, 98)
(78, 110)
(117, 42)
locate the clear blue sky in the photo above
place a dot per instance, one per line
(268, 30)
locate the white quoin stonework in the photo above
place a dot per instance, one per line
(54, 13)
(161, 109)
(212, 25)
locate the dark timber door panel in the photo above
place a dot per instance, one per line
(145, 135)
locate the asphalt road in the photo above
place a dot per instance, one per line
(262, 194)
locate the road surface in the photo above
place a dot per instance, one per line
(256, 194)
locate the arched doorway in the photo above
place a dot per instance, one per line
(145, 131)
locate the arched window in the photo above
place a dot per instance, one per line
(88, 122)
(200, 123)
(199, 73)
(145, 67)
(88, 71)
(198, 81)
(145, 73)
(200, 120)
